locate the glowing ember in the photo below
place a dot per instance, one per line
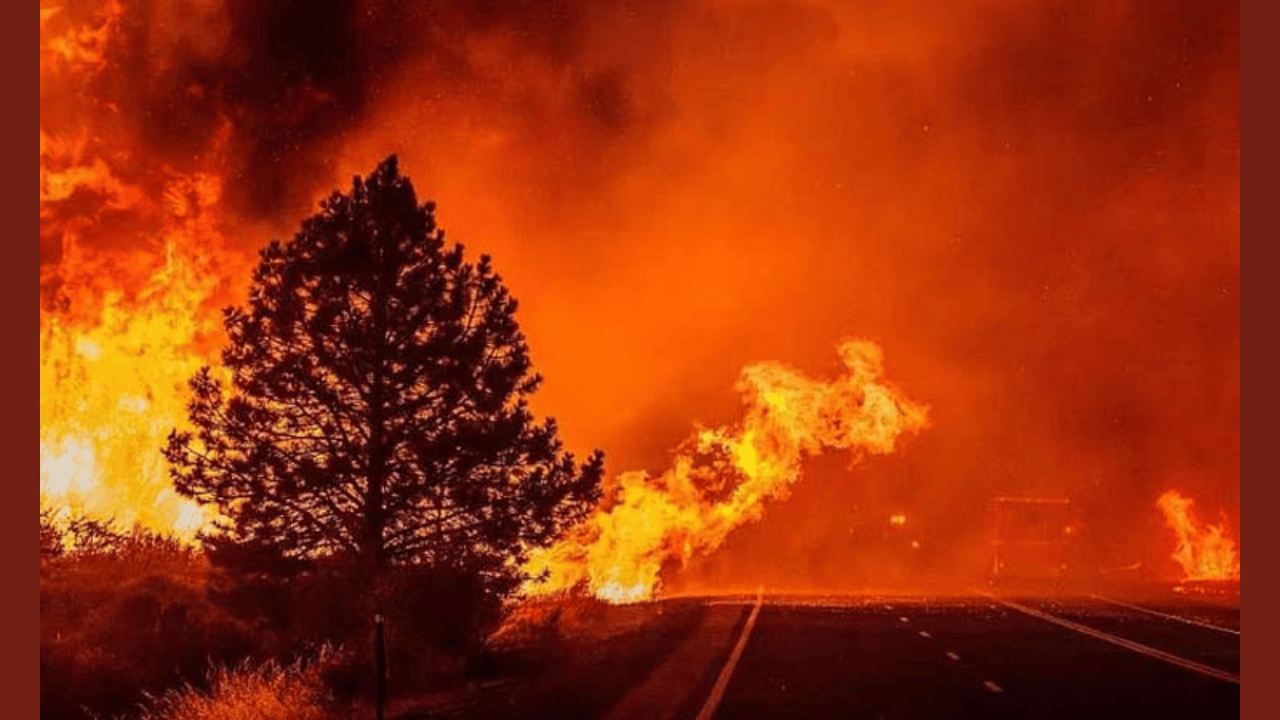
(722, 478)
(1204, 552)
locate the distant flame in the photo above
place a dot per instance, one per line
(722, 478)
(1203, 552)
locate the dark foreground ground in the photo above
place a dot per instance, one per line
(976, 656)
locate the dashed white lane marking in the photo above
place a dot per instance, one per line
(722, 682)
(888, 607)
(1189, 621)
(992, 687)
(1126, 644)
(953, 656)
(924, 634)
(903, 619)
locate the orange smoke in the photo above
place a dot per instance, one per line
(722, 478)
(1204, 552)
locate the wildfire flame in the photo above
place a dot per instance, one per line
(135, 264)
(132, 271)
(722, 477)
(1204, 551)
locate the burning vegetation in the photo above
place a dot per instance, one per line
(133, 267)
(723, 477)
(1204, 552)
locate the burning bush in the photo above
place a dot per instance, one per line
(1204, 552)
(80, 540)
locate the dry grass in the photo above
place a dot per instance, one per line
(268, 691)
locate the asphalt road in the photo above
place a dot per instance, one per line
(976, 657)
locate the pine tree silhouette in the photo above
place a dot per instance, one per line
(378, 404)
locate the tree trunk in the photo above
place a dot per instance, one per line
(375, 521)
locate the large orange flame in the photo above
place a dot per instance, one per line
(1204, 551)
(128, 305)
(723, 477)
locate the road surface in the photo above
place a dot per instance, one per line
(972, 656)
(979, 657)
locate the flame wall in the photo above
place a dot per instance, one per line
(1032, 207)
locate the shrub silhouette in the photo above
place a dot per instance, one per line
(115, 627)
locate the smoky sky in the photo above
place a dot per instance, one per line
(292, 76)
(1032, 207)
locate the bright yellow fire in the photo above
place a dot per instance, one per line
(112, 385)
(127, 310)
(1204, 551)
(724, 476)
